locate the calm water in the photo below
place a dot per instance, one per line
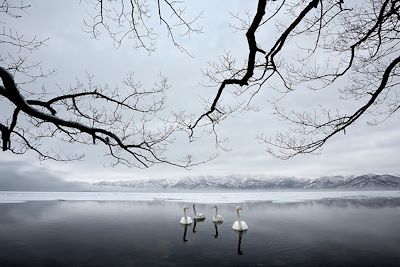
(93, 233)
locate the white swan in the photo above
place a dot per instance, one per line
(198, 216)
(217, 218)
(239, 225)
(185, 219)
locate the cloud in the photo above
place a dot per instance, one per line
(21, 176)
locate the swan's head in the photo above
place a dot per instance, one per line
(185, 208)
(215, 207)
(238, 208)
(194, 205)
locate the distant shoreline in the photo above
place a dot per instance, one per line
(197, 197)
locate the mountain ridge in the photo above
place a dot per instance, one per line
(367, 181)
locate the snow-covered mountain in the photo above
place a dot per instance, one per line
(373, 181)
(369, 181)
(327, 182)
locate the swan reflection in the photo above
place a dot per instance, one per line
(184, 233)
(195, 224)
(194, 227)
(216, 229)
(239, 248)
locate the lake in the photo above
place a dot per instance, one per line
(359, 231)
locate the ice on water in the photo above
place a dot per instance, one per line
(192, 197)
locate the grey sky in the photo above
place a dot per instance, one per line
(23, 176)
(71, 52)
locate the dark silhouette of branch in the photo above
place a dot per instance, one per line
(357, 43)
(289, 147)
(90, 123)
(131, 19)
(91, 114)
(253, 49)
(341, 45)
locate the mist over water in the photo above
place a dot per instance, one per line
(335, 232)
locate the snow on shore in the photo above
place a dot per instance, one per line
(192, 197)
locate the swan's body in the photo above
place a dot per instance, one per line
(185, 219)
(239, 225)
(198, 216)
(217, 218)
(242, 226)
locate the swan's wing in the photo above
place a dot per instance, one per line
(235, 225)
(186, 221)
(183, 220)
(238, 227)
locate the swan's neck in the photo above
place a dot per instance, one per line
(184, 212)
(238, 214)
(194, 209)
(216, 212)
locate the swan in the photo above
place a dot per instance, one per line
(185, 219)
(239, 225)
(217, 218)
(198, 216)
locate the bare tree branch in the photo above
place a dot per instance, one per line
(131, 19)
(353, 42)
(91, 124)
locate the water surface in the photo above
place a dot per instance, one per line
(330, 232)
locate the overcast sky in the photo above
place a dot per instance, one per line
(71, 52)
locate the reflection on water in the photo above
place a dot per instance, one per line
(195, 222)
(185, 227)
(364, 232)
(239, 248)
(194, 226)
(216, 229)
